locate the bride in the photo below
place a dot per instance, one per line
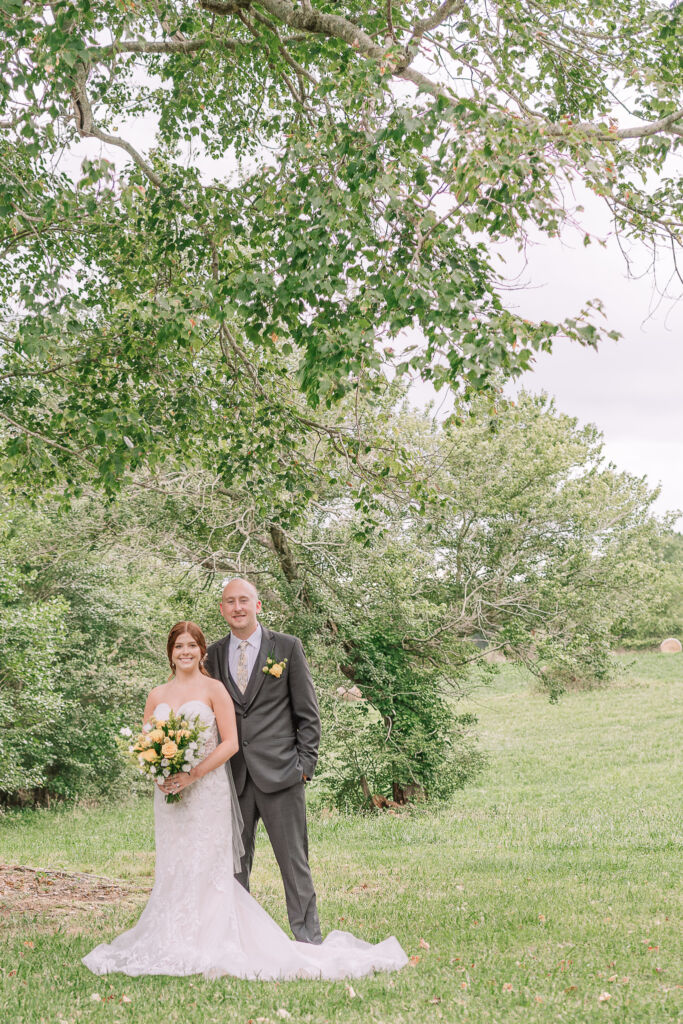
(199, 919)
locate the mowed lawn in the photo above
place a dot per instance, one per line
(547, 891)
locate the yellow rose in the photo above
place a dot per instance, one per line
(156, 736)
(276, 670)
(160, 722)
(150, 754)
(169, 749)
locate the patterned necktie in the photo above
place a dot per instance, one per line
(242, 666)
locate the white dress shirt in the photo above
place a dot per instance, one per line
(252, 649)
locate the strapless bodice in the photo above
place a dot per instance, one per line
(204, 711)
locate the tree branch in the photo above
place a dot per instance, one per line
(86, 125)
(159, 46)
(224, 6)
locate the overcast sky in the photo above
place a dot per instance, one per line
(632, 389)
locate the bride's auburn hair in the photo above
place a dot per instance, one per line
(195, 632)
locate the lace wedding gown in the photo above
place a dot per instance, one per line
(199, 919)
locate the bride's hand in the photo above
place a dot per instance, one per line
(176, 783)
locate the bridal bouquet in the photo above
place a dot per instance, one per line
(167, 746)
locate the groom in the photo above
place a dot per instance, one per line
(278, 725)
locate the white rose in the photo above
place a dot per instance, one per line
(192, 746)
(189, 756)
(186, 768)
(153, 770)
(125, 731)
(166, 773)
(165, 761)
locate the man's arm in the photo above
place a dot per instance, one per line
(305, 708)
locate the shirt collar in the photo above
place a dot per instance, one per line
(254, 640)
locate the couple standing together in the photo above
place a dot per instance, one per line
(254, 695)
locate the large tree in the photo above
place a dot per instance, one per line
(175, 304)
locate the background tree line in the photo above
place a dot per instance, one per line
(533, 546)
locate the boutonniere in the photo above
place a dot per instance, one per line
(273, 667)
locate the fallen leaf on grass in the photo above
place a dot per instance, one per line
(414, 960)
(96, 997)
(625, 980)
(284, 1014)
(571, 988)
(541, 918)
(612, 977)
(125, 999)
(435, 999)
(538, 999)
(604, 997)
(423, 945)
(650, 949)
(31, 945)
(507, 986)
(463, 984)
(350, 991)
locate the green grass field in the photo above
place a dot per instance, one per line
(549, 891)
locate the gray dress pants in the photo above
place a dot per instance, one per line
(284, 816)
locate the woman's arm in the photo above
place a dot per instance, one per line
(151, 705)
(227, 727)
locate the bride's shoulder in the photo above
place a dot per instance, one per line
(157, 691)
(217, 691)
(154, 698)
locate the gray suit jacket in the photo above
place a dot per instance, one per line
(278, 722)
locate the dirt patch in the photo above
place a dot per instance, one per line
(59, 893)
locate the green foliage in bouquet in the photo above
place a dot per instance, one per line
(166, 747)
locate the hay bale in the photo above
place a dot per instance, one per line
(671, 646)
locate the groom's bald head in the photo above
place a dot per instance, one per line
(238, 583)
(240, 605)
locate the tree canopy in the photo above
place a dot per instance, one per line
(309, 204)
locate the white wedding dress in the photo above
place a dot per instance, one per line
(199, 919)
